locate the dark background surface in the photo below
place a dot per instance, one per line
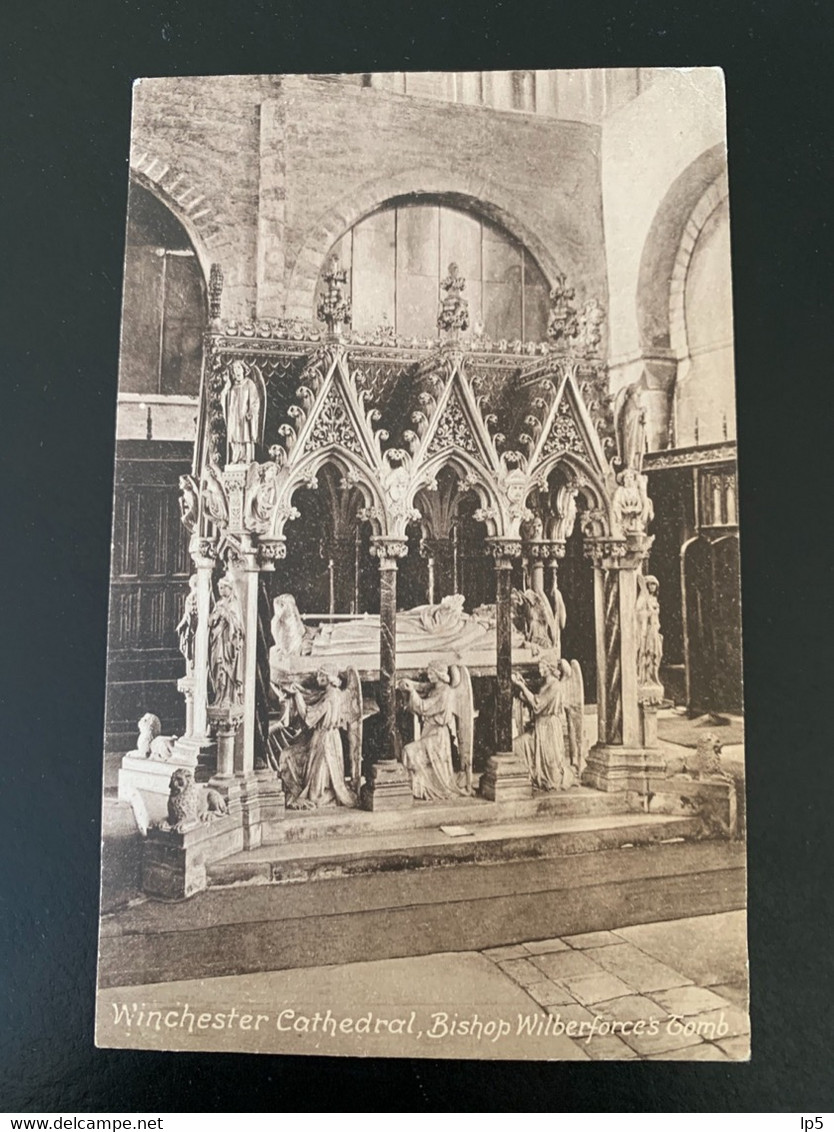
(66, 74)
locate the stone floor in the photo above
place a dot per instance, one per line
(571, 998)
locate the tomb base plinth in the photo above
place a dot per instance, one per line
(505, 779)
(638, 769)
(387, 787)
(713, 799)
(174, 863)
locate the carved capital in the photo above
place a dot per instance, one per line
(607, 553)
(203, 552)
(503, 549)
(270, 551)
(225, 718)
(388, 550)
(545, 549)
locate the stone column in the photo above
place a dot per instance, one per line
(204, 556)
(621, 758)
(388, 785)
(247, 570)
(506, 776)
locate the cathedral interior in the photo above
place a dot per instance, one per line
(426, 421)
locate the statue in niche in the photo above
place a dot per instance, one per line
(187, 626)
(262, 495)
(649, 637)
(632, 507)
(443, 705)
(242, 407)
(312, 763)
(566, 512)
(226, 636)
(551, 743)
(630, 415)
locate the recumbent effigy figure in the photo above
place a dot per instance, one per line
(443, 705)
(425, 630)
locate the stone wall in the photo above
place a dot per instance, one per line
(660, 154)
(267, 172)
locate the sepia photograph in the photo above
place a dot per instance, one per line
(424, 731)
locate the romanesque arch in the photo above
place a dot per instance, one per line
(488, 199)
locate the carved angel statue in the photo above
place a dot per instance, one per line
(187, 626)
(630, 416)
(226, 637)
(541, 628)
(444, 707)
(312, 765)
(189, 502)
(552, 749)
(243, 401)
(649, 637)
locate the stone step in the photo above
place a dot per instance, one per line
(385, 915)
(431, 847)
(337, 822)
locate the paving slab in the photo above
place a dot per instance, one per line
(589, 989)
(521, 971)
(607, 1047)
(656, 1036)
(563, 964)
(635, 967)
(737, 1049)
(709, 950)
(544, 946)
(549, 994)
(705, 1052)
(592, 939)
(689, 1000)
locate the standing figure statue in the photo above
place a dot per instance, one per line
(187, 627)
(242, 408)
(313, 772)
(649, 637)
(226, 646)
(428, 759)
(542, 744)
(630, 415)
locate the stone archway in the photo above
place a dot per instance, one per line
(198, 215)
(659, 282)
(488, 199)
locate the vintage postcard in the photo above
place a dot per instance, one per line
(424, 725)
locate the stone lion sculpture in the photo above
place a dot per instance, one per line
(707, 762)
(151, 744)
(189, 803)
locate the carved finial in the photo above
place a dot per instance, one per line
(453, 315)
(562, 323)
(215, 290)
(334, 306)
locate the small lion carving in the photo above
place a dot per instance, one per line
(189, 803)
(151, 744)
(707, 763)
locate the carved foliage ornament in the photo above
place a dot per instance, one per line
(453, 431)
